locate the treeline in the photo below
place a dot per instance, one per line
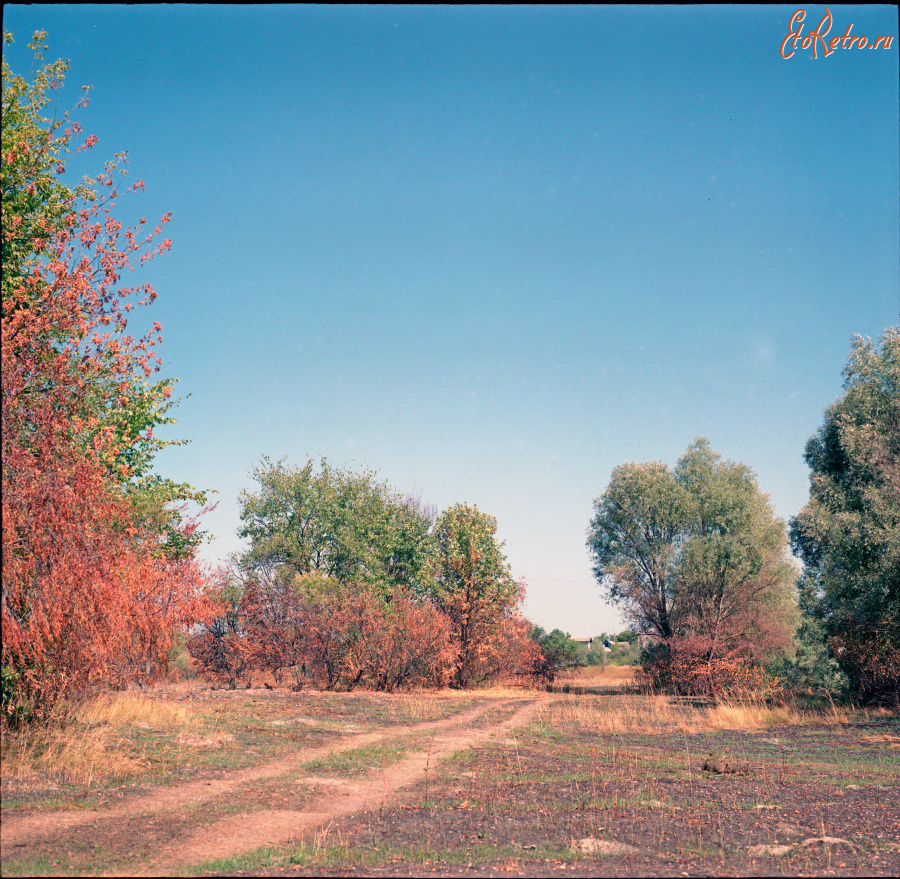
(699, 563)
(346, 583)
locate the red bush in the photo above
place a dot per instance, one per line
(692, 667)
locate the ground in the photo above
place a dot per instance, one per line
(275, 782)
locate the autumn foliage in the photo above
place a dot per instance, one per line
(698, 666)
(347, 584)
(353, 638)
(92, 593)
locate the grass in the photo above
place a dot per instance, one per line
(610, 675)
(616, 768)
(649, 714)
(330, 848)
(131, 738)
(357, 762)
(101, 738)
(135, 738)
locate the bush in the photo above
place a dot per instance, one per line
(336, 636)
(400, 645)
(558, 653)
(870, 657)
(689, 667)
(179, 660)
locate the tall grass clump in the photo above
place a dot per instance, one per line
(647, 714)
(83, 741)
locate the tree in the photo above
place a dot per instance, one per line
(697, 559)
(634, 539)
(49, 227)
(558, 653)
(92, 590)
(848, 535)
(472, 584)
(344, 525)
(351, 584)
(733, 568)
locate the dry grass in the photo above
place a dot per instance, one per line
(421, 706)
(125, 709)
(495, 691)
(609, 676)
(647, 714)
(88, 739)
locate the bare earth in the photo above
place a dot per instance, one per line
(241, 833)
(357, 784)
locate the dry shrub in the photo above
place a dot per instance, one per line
(218, 657)
(349, 637)
(870, 657)
(490, 637)
(344, 636)
(693, 666)
(504, 653)
(404, 644)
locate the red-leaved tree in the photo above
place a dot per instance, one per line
(92, 592)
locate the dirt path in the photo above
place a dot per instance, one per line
(240, 833)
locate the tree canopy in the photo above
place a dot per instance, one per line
(470, 581)
(695, 553)
(346, 526)
(848, 535)
(98, 568)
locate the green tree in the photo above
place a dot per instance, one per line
(559, 652)
(470, 581)
(848, 535)
(597, 654)
(734, 572)
(343, 525)
(696, 553)
(633, 542)
(35, 203)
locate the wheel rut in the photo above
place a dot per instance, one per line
(240, 833)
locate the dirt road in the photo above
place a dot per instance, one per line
(158, 826)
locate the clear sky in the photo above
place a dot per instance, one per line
(493, 252)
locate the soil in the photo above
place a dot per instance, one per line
(153, 828)
(478, 793)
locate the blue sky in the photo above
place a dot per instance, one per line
(494, 252)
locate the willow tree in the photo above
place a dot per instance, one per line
(697, 559)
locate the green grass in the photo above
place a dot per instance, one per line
(327, 853)
(357, 761)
